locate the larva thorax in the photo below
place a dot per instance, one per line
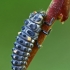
(26, 39)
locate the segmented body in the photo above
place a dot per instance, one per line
(25, 40)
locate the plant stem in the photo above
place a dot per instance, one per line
(54, 11)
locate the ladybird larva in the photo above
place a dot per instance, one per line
(26, 39)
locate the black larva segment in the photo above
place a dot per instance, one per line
(17, 63)
(33, 26)
(24, 36)
(15, 57)
(18, 67)
(21, 53)
(31, 33)
(30, 45)
(18, 52)
(25, 40)
(28, 31)
(37, 18)
(19, 58)
(21, 47)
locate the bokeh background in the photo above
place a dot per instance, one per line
(55, 53)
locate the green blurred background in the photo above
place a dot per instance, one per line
(55, 53)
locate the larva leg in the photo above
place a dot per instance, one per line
(46, 32)
(50, 23)
(38, 45)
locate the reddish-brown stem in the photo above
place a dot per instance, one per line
(57, 8)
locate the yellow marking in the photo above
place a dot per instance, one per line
(35, 12)
(19, 33)
(29, 38)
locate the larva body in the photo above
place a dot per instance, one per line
(25, 40)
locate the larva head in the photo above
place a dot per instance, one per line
(37, 17)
